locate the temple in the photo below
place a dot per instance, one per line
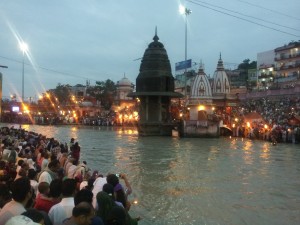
(155, 89)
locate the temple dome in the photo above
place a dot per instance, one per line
(155, 77)
(201, 87)
(221, 83)
(124, 82)
(155, 62)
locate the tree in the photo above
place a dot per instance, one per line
(245, 65)
(62, 92)
(104, 92)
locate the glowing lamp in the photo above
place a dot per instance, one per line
(201, 107)
(23, 47)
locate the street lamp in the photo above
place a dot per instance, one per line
(24, 49)
(185, 11)
(1, 89)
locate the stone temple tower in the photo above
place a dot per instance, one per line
(221, 82)
(155, 88)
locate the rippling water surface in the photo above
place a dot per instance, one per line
(193, 180)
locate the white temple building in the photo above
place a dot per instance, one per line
(200, 97)
(221, 83)
(124, 87)
(205, 97)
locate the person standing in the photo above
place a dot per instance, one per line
(86, 196)
(72, 142)
(63, 210)
(98, 186)
(76, 151)
(22, 195)
(82, 214)
(50, 173)
(43, 202)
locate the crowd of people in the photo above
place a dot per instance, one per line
(42, 181)
(280, 115)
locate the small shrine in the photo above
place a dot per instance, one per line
(200, 121)
(154, 90)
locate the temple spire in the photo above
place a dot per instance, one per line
(155, 38)
(220, 63)
(201, 67)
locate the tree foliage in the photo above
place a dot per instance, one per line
(246, 65)
(62, 92)
(104, 92)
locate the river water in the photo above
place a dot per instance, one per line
(194, 180)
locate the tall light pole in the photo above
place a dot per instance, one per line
(185, 11)
(24, 49)
(1, 91)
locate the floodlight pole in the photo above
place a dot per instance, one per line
(1, 91)
(186, 12)
(23, 77)
(24, 48)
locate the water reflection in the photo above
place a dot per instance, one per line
(265, 152)
(196, 181)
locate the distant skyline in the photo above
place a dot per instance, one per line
(72, 41)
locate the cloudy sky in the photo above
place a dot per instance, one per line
(71, 41)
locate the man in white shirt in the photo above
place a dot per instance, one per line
(50, 173)
(5, 153)
(21, 220)
(98, 186)
(72, 169)
(21, 194)
(63, 210)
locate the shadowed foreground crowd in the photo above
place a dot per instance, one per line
(44, 182)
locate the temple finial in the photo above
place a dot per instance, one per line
(201, 64)
(155, 38)
(220, 63)
(201, 67)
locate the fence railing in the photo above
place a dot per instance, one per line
(295, 91)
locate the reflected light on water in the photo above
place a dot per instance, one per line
(25, 127)
(248, 150)
(195, 181)
(74, 128)
(128, 131)
(74, 133)
(248, 145)
(265, 152)
(233, 143)
(135, 202)
(121, 155)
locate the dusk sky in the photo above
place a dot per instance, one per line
(71, 41)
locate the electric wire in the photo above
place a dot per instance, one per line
(253, 22)
(271, 10)
(50, 70)
(253, 17)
